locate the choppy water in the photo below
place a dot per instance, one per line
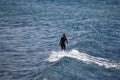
(30, 31)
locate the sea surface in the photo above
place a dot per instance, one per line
(30, 31)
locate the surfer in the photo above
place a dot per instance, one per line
(62, 42)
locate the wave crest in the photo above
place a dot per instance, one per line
(56, 55)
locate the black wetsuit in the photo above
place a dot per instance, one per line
(62, 43)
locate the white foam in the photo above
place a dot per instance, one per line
(83, 57)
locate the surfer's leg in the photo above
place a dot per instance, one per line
(64, 47)
(61, 47)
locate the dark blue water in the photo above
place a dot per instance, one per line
(30, 31)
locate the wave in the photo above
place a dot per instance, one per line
(57, 55)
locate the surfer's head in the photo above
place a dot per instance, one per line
(64, 35)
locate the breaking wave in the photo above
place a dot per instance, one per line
(57, 55)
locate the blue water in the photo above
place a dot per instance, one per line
(30, 31)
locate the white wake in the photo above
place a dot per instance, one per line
(83, 57)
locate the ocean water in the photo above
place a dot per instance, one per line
(30, 31)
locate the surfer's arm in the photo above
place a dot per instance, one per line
(66, 41)
(60, 42)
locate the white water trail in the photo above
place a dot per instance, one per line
(55, 56)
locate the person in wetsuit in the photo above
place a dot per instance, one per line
(62, 42)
